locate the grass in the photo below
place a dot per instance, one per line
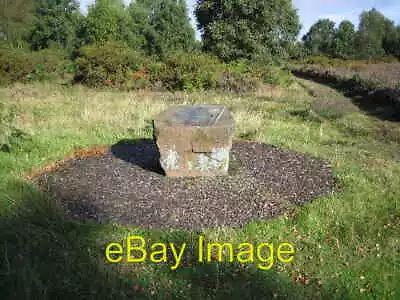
(347, 244)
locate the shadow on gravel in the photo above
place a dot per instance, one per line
(141, 152)
(377, 103)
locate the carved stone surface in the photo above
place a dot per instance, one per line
(194, 140)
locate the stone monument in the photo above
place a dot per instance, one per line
(194, 140)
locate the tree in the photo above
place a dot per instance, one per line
(343, 44)
(55, 24)
(319, 38)
(139, 26)
(168, 29)
(237, 29)
(372, 31)
(391, 42)
(16, 17)
(106, 21)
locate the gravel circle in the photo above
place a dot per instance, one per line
(126, 185)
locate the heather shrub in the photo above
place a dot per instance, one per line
(275, 76)
(384, 59)
(21, 65)
(238, 77)
(111, 64)
(261, 73)
(188, 72)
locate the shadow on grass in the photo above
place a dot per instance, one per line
(232, 280)
(376, 103)
(141, 152)
(43, 256)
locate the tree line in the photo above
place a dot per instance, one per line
(376, 36)
(230, 29)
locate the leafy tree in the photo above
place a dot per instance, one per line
(55, 25)
(105, 21)
(343, 44)
(391, 42)
(168, 29)
(16, 17)
(139, 26)
(319, 38)
(237, 29)
(372, 31)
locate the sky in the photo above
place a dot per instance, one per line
(312, 10)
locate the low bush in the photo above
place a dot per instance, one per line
(21, 65)
(189, 72)
(239, 77)
(111, 64)
(384, 59)
(233, 81)
(263, 73)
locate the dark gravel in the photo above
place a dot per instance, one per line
(126, 186)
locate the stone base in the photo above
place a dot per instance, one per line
(195, 164)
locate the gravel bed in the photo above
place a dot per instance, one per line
(126, 185)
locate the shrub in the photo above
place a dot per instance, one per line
(111, 64)
(21, 65)
(188, 72)
(384, 59)
(263, 73)
(201, 72)
(237, 82)
(276, 76)
(239, 77)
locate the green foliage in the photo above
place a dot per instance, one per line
(139, 26)
(188, 72)
(298, 51)
(377, 36)
(168, 29)
(23, 65)
(109, 64)
(55, 25)
(391, 42)
(325, 61)
(116, 65)
(16, 17)
(10, 135)
(107, 21)
(235, 29)
(373, 28)
(319, 38)
(238, 78)
(202, 72)
(343, 44)
(158, 27)
(356, 65)
(262, 74)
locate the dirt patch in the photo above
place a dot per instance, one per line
(125, 185)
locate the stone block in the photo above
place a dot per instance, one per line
(194, 140)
